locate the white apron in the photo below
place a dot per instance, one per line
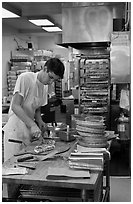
(15, 128)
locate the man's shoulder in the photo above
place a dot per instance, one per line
(28, 75)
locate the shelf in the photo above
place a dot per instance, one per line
(19, 60)
(94, 97)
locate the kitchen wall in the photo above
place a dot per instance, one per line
(50, 43)
(11, 39)
(8, 45)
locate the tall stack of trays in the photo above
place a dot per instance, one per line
(92, 132)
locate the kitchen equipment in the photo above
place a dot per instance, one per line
(26, 166)
(17, 141)
(94, 82)
(92, 131)
(23, 152)
(67, 136)
(61, 126)
(25, 158)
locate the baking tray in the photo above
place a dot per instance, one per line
(87, 123)
(92, 145)
(99, 140)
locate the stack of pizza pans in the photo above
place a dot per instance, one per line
(92, 132)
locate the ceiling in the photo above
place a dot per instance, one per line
(33, 10)
(36, 10)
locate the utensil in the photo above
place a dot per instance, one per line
(50, 138)
(27, 165)
(53, 153)
(17, 141)
(30, 152)
(24, 152)
(25, 158)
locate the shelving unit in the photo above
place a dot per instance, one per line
(58, 88)
(21, 61)
(40, 57)
(94, 83)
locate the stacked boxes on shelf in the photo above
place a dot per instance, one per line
(11, 81)
(19, 63)
(43, 54)
(40, 58)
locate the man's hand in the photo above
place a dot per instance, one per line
(43, 126)
(35, 132)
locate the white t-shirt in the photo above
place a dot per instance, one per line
(34, 95)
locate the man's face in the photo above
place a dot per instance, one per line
(49, 78)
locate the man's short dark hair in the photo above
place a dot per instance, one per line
(56, 66)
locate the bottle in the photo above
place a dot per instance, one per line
(123, 127)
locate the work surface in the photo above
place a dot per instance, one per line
(39, 175)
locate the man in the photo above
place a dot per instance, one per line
(30, 93)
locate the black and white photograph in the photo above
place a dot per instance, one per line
(66, 101)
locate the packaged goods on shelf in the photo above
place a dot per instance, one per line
(12, 77)
(43, 53)
(10, 88)
(10, 93)
(12, 73)
(11, 81)
(21, 61)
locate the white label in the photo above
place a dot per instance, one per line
(4, 100)
(121, 128)
(76, 111)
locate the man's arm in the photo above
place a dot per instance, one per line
(39, 120)
(38, 115)
(18, 110)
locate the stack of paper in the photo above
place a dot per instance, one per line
(86, 160)
(87, 149)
